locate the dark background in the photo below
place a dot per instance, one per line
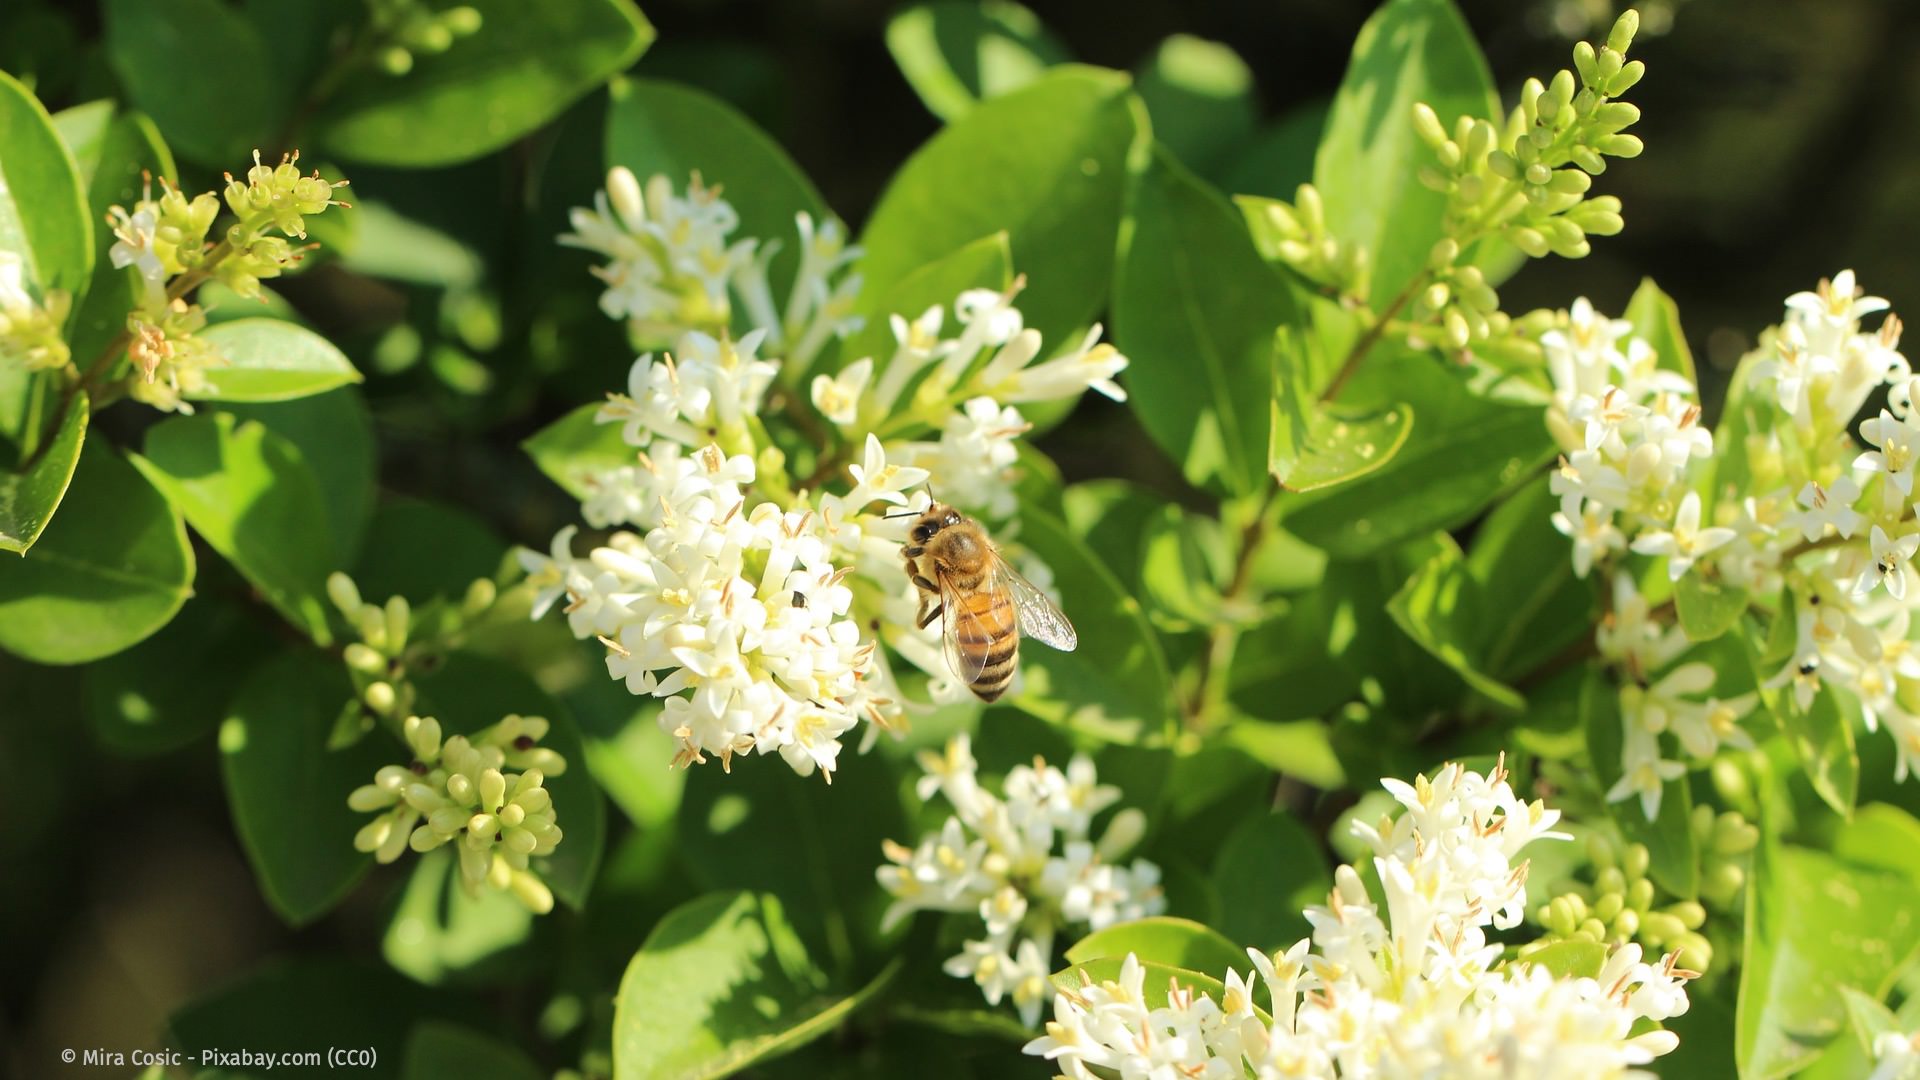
(1780, 148)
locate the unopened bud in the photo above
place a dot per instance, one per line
(344, 594)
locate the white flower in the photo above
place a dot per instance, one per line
(1594, 538)
(1793, 370)
(971, 466)
(1686, 541)
(1890, 559)
(1833, 311)
(1643, 772)
(1897, 450)
(1417, 994)
(1829, 508)
(1896, 1056)
(838, 396)
(1025, 862)
(1090, 365)
(1802, 670)
(133, 246)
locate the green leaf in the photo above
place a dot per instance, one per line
(1154, 986)
(1442, 608)
(1115, 685)
(334, 433)
(674, 131)
(173, 688)
(1656, 321)
(289, 792)
(813, 845)
(1707, 609)
(441, 933)
(1574, 958)
(1268, 871)
(1163, 939)
(956, 54)
(1463, 454)
(1291, 748)
(1815, 924)
(1524, 564)
(1821, 735)
(28, 498)
(1675, 858)
(437, 1049)
(524, 66)
(722, 982)
(1046, 163)
(1279, 158)
(1184, 563)
(1312, 444)
(420, 550)
(1200, 96)
(162, 52)
(468, 692)
(271, 360)
(1368, 166)
(43, 208)
(112, 569)
(1195, 309)
(1111, 518)
(1868, 1017)
(250, 495)
(575, 449)
(986, 263)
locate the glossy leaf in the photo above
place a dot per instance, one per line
(523, 67)
(1675, 862)
(250, 495)
(1200, 95)
(1525, 568)
(956, 54)
(43, 208)
(986, 263)
(673, 130)
(334, 434)
(1269, 870)
(271, 360)
(420, 549)
(1046, 163)
(1290, 748)
(288, 792)
(1573, 958)
(113, 568)
(722, 982)
(173, 688)
(1314, 445)
(1464, 452)
(160, 50)
(1115, 685)
(1656, 321)
(576, 448)
(1707, 609)
(441, 933)
(1443, 609)
(436, 1048)
(1195, 309)
(29, 497)
(1184, 563)
(1815, 924)
(1163, 939)
(1370, 157)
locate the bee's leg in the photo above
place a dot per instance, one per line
(929, 614)
(923, 583)
(913, 552)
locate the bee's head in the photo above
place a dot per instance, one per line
(936, 518)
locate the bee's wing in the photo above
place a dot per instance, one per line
(1040, 618)
(954, 616)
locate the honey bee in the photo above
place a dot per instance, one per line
(985, 604)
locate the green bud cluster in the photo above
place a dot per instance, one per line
(1297, 235)
(31, 332)
(1619, 906)
(273, 197)
(395, 641)
(1526, 181)
(405, 29)
(1726, 842)
(461, 791)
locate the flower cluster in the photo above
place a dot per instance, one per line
(1618, 907)
(460, 791)
(1026, 863)
(166, 242)
(750, 597)
(1794, 508)
(394, 640)
(1412, 990)
(30, 330)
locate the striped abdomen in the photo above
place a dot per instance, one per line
(986, 632)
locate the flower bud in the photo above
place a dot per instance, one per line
(1444, 252)
(1458, 332)
(1449, 154)
(1690, 914)
(1621, 146)
(1528, 240)
(1623, 30)
(379, 697)
(480, 596)
(363, 659)
(399, 615)
(1426, 123)
(1637, 860)
(1583, 61)
(531, 892)
(1503, 165)
(1630, 74)
(493, 789)
(344, 594)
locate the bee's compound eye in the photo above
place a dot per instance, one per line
(922, 532)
